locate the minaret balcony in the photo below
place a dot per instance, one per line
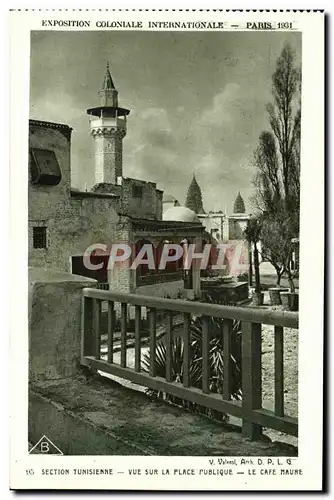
(116, 122)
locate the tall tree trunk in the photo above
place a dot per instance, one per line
(250, 266)
(279, 273)
(291, 282)
(257, 269)
(279, 277)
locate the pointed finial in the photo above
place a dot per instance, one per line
(108, 82)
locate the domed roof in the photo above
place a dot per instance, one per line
(180, 214)
(168, 197)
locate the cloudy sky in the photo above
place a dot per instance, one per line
(197, 102)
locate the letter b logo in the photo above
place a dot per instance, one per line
(45, 448)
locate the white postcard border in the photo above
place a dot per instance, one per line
(311, 278)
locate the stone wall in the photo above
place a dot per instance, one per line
(236, 226)
(54, 305)
(141, 199)
(172, 289)
(50, 199)
(213, 224)
(73, 221)
(121, 277)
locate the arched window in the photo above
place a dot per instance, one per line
(170, 266)
(142, 269)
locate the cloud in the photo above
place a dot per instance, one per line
(221, 111)
(213, 144)
(53, 106)
(153, 157)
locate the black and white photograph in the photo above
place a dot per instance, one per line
(165, 189)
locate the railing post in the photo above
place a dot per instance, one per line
(111, 331)
(96, 327)
(137, 338)
(124, 319)
(279, 370)
(205, 355)
(169, 348)
(251, 376)
(87, 334)
(186, 349)
(227, 380)
(152, 319)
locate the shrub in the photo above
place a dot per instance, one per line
(195, 368)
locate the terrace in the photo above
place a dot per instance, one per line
(86, 398)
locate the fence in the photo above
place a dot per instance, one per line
(250, 409)
(103, 285)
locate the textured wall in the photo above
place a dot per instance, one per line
(237, 226)
(148, 206)
(173, 289)
(73, 223)
(108, 149)
(54, 323)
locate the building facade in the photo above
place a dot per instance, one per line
(65, 222)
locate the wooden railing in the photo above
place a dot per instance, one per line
(103, 285)
(250, 409)
(158, 277)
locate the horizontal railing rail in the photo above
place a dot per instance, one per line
(249, 409)
(160, 277)
(103, 285)
(279, 318)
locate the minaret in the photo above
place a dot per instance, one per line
(108, 128)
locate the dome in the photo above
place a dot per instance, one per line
(180, 214)
(168, 198)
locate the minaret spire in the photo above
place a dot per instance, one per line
(108, 93)
(108, 83)
(108, 127)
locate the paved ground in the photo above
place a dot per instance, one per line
(268, 277)
(290, 376)
(152, 427)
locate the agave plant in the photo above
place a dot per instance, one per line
(216, 358)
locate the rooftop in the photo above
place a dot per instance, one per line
(90, 194)
(65, 129)
(180, 214)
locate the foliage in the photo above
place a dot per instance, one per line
(195, 366)
(277, 161)
(239, 205)
(194, 197)
(253, 235)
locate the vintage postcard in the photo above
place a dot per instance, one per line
(167, 233)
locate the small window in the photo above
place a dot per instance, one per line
(44, 167)
(39, 237)
(137, 192)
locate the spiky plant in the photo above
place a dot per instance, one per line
(216, 358)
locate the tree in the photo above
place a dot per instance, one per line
(194, 197)
(277, 160)
(252, 235)
(284, 123)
